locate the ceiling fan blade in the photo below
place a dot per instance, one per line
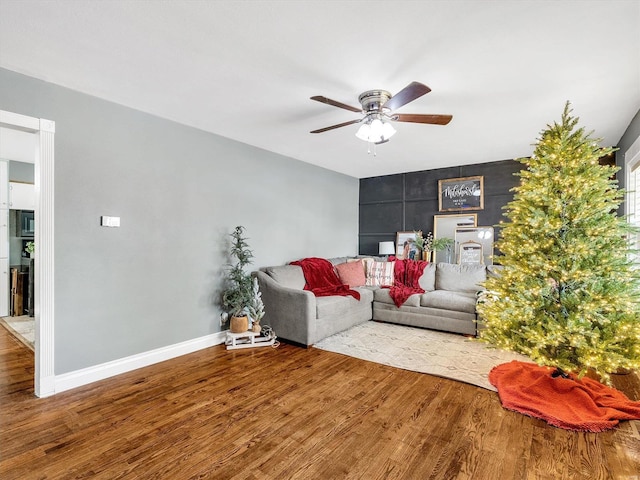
(422, 118)
(328, 101)
(320, 130)
(407, 94)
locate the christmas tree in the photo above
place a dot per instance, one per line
(568, 295)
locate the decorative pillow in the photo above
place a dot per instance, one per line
(351, 273)
(365, 263)
(380, 274)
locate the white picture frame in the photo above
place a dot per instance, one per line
(408, 240)
(470, 253)
(444, 226)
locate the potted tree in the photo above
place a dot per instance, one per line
(256, 307)
(239, 294)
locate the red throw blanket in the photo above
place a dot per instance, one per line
(406, 274)
(322, 279)
(570, 403)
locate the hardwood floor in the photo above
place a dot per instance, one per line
(288, 413)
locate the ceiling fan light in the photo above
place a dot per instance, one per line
(376, 128)
(388, 131)
(363, 132)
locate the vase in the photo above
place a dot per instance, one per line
(427, 256)
(239, 324)
(448, 254)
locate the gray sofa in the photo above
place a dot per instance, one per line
(448, 304)
(295, 314)
(298, 315)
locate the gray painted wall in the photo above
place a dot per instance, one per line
(179, 191)
(21, 172)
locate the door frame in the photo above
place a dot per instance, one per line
(44, 376)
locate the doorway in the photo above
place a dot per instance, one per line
(15, 128)
(17, 205)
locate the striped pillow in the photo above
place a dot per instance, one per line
(380, 274)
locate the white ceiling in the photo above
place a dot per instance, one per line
(246, 69)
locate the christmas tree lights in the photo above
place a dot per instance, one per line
(568, 295)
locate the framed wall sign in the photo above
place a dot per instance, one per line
(470, 252)
(444, 226)
(466, 193)
(481, 235)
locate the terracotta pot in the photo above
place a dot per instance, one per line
(256, 328)
(239, 324)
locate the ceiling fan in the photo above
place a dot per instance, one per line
(378, 107)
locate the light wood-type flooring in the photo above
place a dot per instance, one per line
(288, 413)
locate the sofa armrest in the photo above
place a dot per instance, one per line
(290, 312)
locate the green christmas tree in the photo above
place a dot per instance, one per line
(568, 296)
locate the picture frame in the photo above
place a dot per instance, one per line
(470, 253)
(458, 194)
(444, 226)
(482, 235)
(406, 247)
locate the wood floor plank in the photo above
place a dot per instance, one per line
(288, 413)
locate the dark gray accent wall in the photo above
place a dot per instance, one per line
(408, 201)
(630, 135)
(179, 191)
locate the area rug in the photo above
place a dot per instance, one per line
(23, 328)
(579, 404)
(442, 354)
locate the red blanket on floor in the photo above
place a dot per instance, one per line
(570, 403)
(322, 279)
(406, 274)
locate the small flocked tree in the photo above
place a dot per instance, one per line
(568, 296)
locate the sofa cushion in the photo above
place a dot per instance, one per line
(460, 278)
(379, 273)
(366, 294)
(337, 260)
(290, 276)
(447, 300)
(351, 273)
(337, 305)
(427, 281)
(382, 295)
(494, 271)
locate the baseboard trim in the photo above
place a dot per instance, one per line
(78, 378)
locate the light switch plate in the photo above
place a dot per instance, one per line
(106, 221)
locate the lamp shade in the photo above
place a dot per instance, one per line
(386, 248)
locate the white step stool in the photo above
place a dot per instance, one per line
(247, 340)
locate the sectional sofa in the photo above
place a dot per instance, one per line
(448, 303)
